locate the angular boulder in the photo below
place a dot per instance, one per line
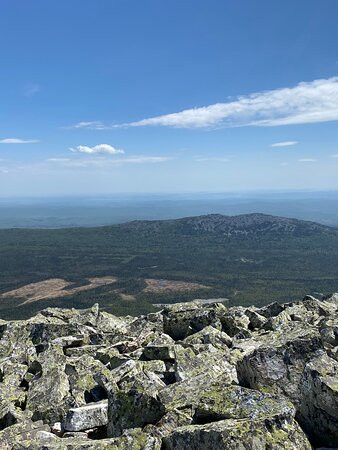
(239, 434)
(318, 410)
(183, 319)
(86, 417)
(132, 409)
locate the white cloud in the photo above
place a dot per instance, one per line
(58, 160)
(146, 159)
(284, 144)
(102, 162)
(211, 158)
(305, 160)
(307, 102)
(94, 125)
(101, 148)
(18, 141)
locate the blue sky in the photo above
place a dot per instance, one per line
(167, 96)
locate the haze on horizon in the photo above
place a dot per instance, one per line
(114, 97)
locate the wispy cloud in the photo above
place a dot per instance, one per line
(105, 162)
(31, 89)
(284, 144)
(145, 159)
(94, 125)
(57, 160)
(307, 102)
(334, 155)
(101, 148)
(211, 158)
(18, 141)
(305, 160)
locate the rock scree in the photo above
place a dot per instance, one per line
(191, 376)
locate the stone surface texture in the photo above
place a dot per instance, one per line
(195, 375)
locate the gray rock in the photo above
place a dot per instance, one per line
(205, 361)
(182, 319)
(132, 409)
(239, 434)
(19, 433)
(235, 321)
(191, 376)
(48, 393)
(319, 402)
(210, 335)
(75, 434)
(161, 346)
(89, 416)
(257, 321)
(279, 369)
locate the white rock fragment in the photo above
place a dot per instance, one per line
(86, 417)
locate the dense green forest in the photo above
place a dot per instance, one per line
(254, 269)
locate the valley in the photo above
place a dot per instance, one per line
(132, 267)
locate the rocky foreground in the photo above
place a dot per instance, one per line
(189, 377)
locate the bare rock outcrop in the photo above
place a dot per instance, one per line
(192, 376)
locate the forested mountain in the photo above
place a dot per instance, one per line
(127, 268)
(241, 225)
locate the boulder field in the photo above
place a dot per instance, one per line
(192, 376)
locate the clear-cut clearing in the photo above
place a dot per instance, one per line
(55, 288)
(162, 286)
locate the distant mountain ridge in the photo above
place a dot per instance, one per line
(248, 259)
(240, 225)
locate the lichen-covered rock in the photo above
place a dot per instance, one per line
(76, 352)
(182, 319)
(171, 420)
(329, 332)
(256, 320)
(206, 361)
(278, 369)
(235, 321)
(39, 439)
(144, 381)
(239, 434)
(48, 395)
(89, 416)
(110, 356)
(161, 346)
(87, 379)
(210, 335)
(318, 411)
(16, 342)
(132, 409)
(217, 400)
(192, 376)
(12, 391)
(144, 327)
(271, 310)
(18, 434)
(289, 332)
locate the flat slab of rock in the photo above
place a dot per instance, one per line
(86, 417)
(238, 434)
